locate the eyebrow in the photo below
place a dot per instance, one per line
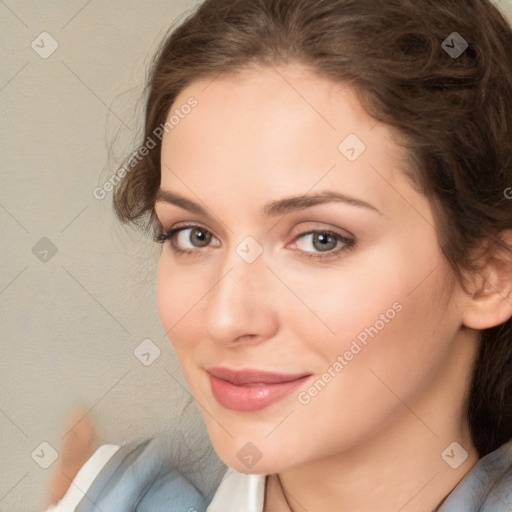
(272, 208)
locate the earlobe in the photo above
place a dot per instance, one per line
(490, 301)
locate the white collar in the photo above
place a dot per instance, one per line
(239, 491)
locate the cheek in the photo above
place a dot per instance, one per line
(168, 305)
(390, 307)
(399, 330)
(177, 295)
(400, 354)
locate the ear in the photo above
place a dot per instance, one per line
(490, 296)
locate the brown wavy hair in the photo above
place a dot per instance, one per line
(453, 114)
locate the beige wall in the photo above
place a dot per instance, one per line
(70, 324)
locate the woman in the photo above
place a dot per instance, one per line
(329, 182)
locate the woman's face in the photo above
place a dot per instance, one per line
(315, 301)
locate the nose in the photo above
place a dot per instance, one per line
(239, 307)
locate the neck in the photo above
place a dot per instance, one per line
(404, 473)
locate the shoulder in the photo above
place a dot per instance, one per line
(147, 475)
(487, 487)
(84, 478)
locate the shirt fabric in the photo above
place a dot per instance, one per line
(84, 478)
(141, 477)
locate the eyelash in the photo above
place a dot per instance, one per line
(349, 243)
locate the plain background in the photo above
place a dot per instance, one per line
(72, 320)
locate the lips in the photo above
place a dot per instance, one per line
(252, 390)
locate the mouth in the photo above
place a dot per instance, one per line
(252, 390)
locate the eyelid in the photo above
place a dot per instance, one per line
(160, 230)
(324, 227)
(166, 215)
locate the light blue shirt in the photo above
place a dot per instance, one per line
(141, 477)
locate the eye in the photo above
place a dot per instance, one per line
(187, 239)
(319, 241)
(322, 244)
(190, 238)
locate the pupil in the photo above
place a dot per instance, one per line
(201, 236)
(324, 241)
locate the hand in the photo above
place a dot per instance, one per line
(78, 445)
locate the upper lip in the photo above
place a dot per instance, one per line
(250, 376)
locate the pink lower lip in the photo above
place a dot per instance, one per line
(249, 398)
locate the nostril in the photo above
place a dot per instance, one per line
(246, 338)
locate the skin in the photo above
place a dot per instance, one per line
(372, 438)
(79, 443)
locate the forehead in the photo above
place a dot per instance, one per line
(275, 132)
(268, 106)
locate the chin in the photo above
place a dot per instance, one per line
(252, 458)
(260, 468)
